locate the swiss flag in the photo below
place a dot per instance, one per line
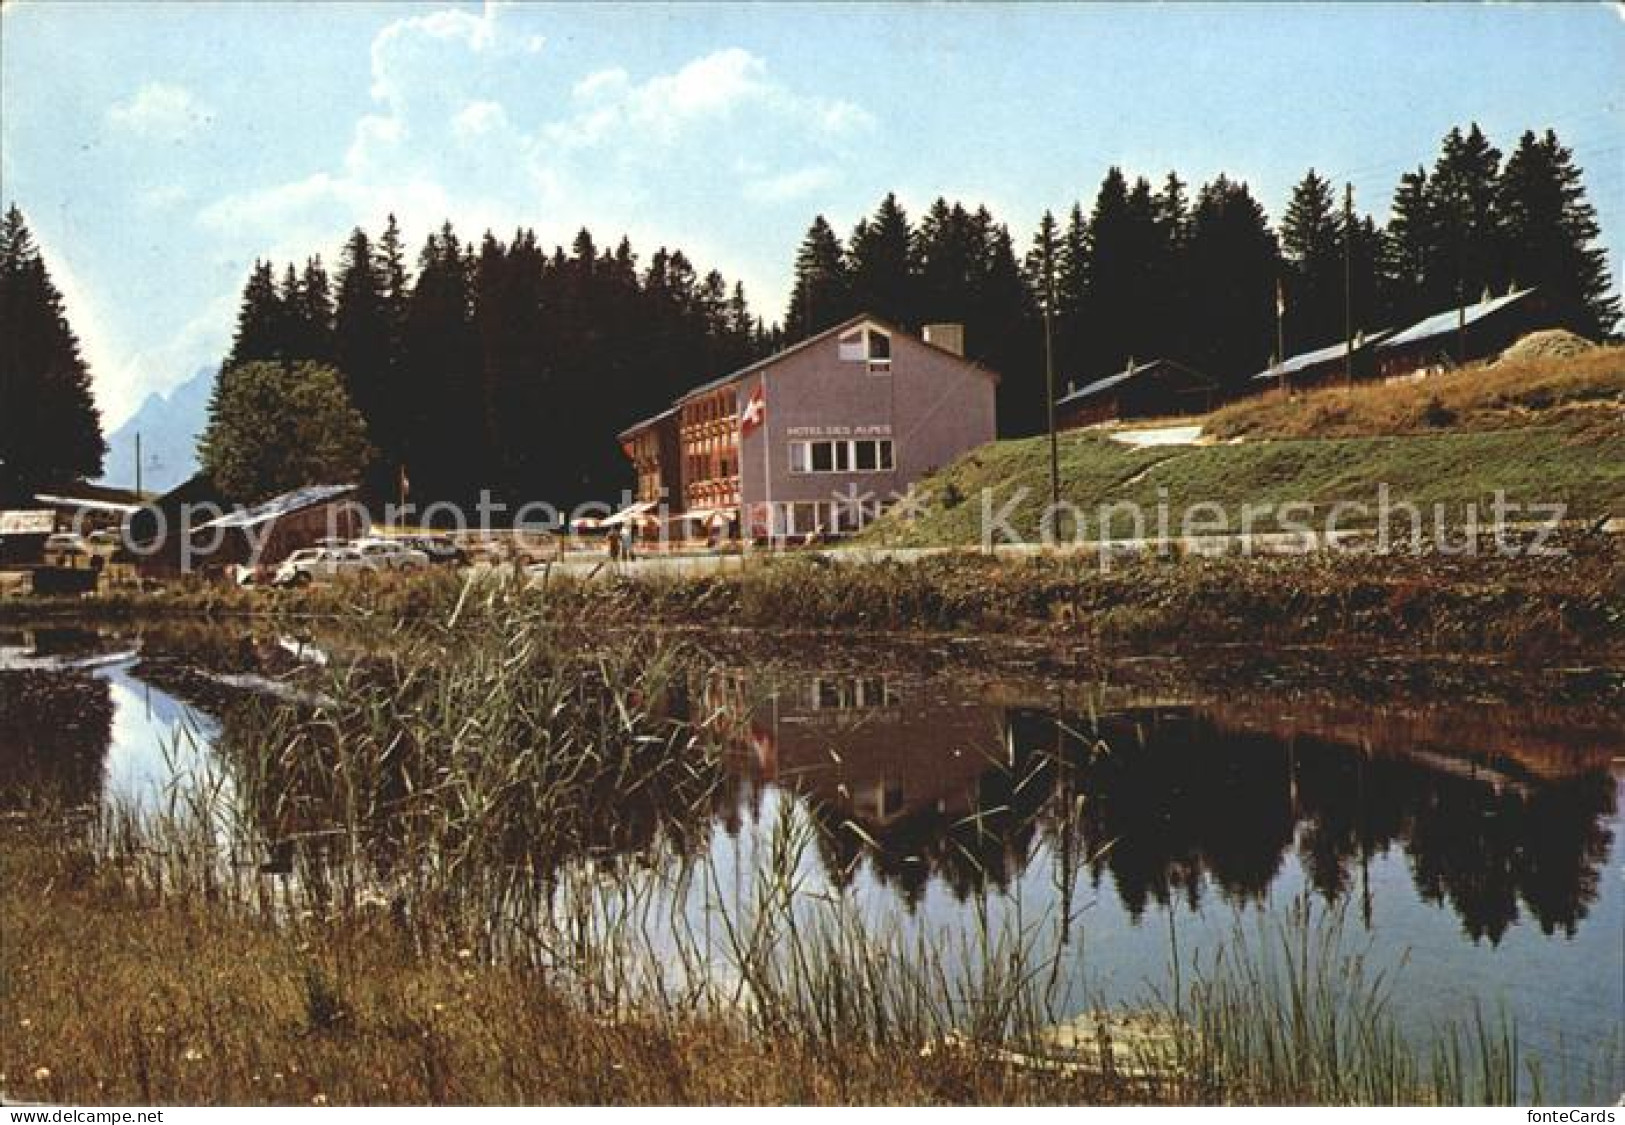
(755, 412)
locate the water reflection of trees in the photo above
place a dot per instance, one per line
(1163, 805)
(1178, 807)
(55, 728)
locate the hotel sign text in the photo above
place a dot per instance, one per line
(879, 429)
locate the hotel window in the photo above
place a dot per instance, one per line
(868, 345)
(866, 455)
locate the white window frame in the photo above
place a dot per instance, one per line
(843, 456)
(857, 346)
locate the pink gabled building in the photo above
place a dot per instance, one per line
(848, 420)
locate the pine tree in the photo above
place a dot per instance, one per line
(1312, 246)
(821, 295)
(948, 249)
(260, 320)
(440, 385)
(1414, 251)
(50, 428)
(1072, 298)
(1120, 268)
(1002, 332)
(1170, 303)
(1462, 196)
(1547, 230)
(1234, 262)
(313, 315)
(882, 266)
(362, 338)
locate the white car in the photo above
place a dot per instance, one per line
(320, 564)
(66, 543)
(387, 554)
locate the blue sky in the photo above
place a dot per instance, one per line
(158, 149)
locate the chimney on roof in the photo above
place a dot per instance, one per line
(948, 337)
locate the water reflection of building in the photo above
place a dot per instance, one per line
(1170, 803)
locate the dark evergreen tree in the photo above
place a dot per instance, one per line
(312, 315)
(821, 295)
(1002, 332)
(439, 382)
(1548, 231)
(363, 340)
(1233, 262)
(1121, 275)
(1462, 196)
(260, 320)
(882, 270)
(1414, 252)
(1071, 299)
(1170, 303)
(1312, 246)
(50, 429)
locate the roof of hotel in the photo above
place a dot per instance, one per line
(1323, 355)
(645, 423)
(1100, 385)
(1451, 319)
(799, 346)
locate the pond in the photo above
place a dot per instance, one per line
(1468, 839)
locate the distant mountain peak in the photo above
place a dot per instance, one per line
(169, 425)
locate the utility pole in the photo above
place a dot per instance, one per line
(1280, 334)
(1049, 393)
(138, 464)
(1348, 283)
(1460, 210)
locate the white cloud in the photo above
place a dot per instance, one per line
(717, 87)
(790, 186)
(477, 119)
(649, 156)
(159, 111)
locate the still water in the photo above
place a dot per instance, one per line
(1472, 844)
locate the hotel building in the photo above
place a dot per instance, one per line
(817, 438)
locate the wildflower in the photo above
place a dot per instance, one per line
(26, 1024)
(465, 954)
(439, 1008)
(319, 1099)
(42, 1074)
(192, 1054)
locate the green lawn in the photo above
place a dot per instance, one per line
(1580, 465)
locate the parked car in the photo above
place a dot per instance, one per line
(66, 543)
(438, 548)
(321, 564)
(390, 554)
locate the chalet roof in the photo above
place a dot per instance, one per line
(1133, 371)
(279, 506)
(85, 503)
(645, 423)
(1440, 324)
(810, 341)
(27, 522)
(1323, 355)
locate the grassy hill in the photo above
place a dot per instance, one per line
(1541, 431)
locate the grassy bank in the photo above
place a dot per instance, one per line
(433, 888)
(1538, 431)
(1531, 607)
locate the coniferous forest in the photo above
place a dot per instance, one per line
(507, 366)
(503, 365)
